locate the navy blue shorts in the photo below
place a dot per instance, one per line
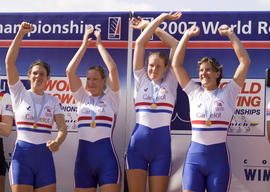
(150, 149)
(32, 165)
(96, 163)
(207, 167)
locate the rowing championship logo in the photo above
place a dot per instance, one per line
(114, 28)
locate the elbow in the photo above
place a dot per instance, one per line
(140, 43)
(174, 64)
(113, 69)
(7, 61)
(244, 58)
(246, 61)
(68, 71)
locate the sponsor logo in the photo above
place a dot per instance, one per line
(149, 97)
(256, 172)
(241, 124)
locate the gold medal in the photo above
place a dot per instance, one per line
(153, 106)
(208, 123)
(93, 124)
(34, 126)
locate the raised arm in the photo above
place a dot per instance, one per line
(74, 80)
(166, 38)
(178, 58)
(139, 52)
(241, 53)
(114, 83)
(13, 52)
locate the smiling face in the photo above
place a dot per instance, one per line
(208, 76)
(156, 68)
(38, 78)
(95, 83)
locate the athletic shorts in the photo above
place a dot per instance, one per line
(96, 163)
(207, 167)
(32, 165)
(150, 149)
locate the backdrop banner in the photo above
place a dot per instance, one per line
(57, 36)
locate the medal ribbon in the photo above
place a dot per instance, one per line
(208, 109)
(37, 116)
(155, 90)
(94, 105)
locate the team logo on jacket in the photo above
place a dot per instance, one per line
(163, 91)
(48, 111)
(102, 104)
(9, 107)
(28, 108)
(219, 105)
(100, 109)
(199, 105)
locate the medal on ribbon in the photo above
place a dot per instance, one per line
(37, 115)
(34, 126)
(155, 90)
(93, 124)
(208, 123)
(153, 106)
(93, 109)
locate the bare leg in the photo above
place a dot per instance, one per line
(189, 191)
(137, 179)
(48, 188)
(158, 183)
(22, 188)
(111, 188)
(85, 189)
